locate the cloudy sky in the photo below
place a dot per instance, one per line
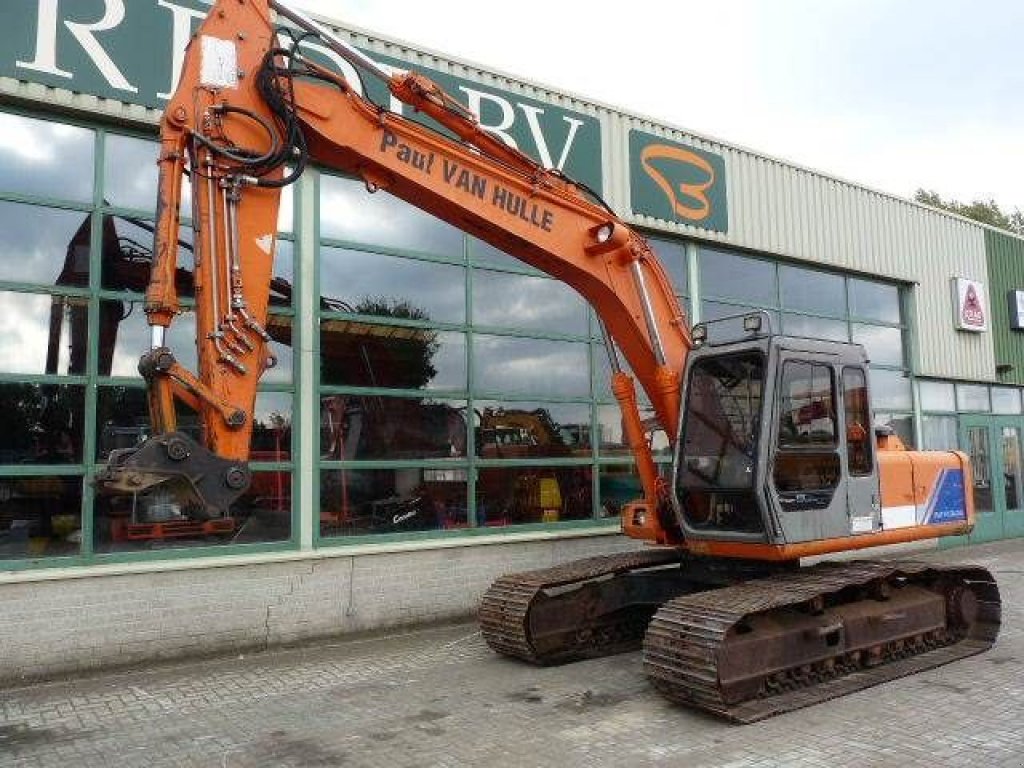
(894, 94)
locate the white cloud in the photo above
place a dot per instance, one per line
(893, 95)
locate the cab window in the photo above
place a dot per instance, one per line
(807, 460)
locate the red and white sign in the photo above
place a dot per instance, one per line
(970, 302)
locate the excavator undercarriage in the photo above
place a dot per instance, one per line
(743, 645)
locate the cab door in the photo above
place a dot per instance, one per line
(806, 478)
(862, 485)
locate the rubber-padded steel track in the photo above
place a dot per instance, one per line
(688, 639)
(510, 612)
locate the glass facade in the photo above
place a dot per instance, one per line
(801, 301)
(456, 388)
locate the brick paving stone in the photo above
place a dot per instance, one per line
(438, 697)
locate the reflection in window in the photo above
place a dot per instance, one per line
(938, 433)
(531, 366)
(1005, 400)
(937, 396)
(358, 427)
(890, 390)
(356, 502)
(128, 256)
(874, 301)
(45, 246)
(806, 468)
(41, 423)
(972, 398)
(43, 334)
(612, 437)
(40, 516)
(815, 327)
(516, 430)
(388, 286)
(155, 520)
(981, 467)
(521, 495)
(1010, 438)
(125, 336)
(348, 212)
(47, 159)
(858, 422)
(883, 345)
(727, 275)
(130, 173)
(617, 486)
(508, 300)
(807, 290)
(672, 256)
(359, 354)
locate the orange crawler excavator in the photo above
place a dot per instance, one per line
(774, 454)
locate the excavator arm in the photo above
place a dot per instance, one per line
(250, 112)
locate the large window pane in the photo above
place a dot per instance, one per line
(361, 427)
(348, 212)
(357, 502)
(40, 516)
(43, 334)
(672, 256)
(815, 327)
(44, 245)
(617, 485)
(154, 520)
(937, 396)
(884, 345)
(48, 159)
(972, 397)
(389, 286)
(358, 354)
(520, 495)
(1005, 400)
(725, 275)
(939, 433)
(130, 172)
(890, 390)
(530, 366)
(507, 300)
(874, 301)
(272, 427)
(128, 256)
(806, 290)
(125, 336)
(612, 437)
(41, 423)
(517, 430)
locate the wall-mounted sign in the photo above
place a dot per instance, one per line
(970, 305)
(132, 50)
(677, 182)
(1015, 304)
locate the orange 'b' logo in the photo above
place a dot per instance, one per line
(688, 192)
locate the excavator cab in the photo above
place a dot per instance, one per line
(775, 444)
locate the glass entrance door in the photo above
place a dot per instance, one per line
(982, 439)
(1008, 434)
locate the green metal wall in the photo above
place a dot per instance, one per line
(1005, 256)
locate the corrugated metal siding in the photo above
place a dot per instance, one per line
(778, 208)
(774, 207)
(1006, 271)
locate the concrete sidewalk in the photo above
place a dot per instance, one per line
(439, 697)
